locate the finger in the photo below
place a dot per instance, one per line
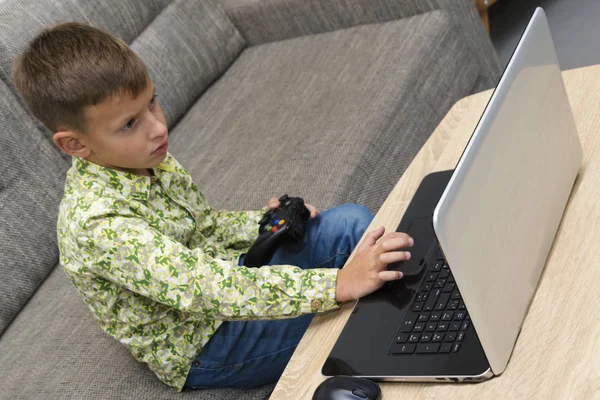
(373, 236)
(394, 256)
(396, 242)
(387, 276)
(273, 202)
(313, 210)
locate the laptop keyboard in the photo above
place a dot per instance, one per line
(437, 321)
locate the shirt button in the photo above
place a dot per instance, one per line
(316, 304)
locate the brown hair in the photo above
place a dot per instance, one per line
(69, 66)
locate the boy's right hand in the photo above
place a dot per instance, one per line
(367, 271)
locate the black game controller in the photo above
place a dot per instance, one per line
(284, 224)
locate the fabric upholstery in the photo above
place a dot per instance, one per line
(31, 185)
(55, 350)
(273, 20)
(333, 118)
(189, 45)
(186, 44)
(465, 18)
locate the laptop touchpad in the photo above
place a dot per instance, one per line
(421, 230)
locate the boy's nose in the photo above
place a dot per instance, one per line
(158, 129)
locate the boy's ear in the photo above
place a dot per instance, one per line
(70, 142)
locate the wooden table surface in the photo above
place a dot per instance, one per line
(557, 355)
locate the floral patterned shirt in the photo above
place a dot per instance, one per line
(158, 267)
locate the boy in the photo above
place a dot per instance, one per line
(160, 269)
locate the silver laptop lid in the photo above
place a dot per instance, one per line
(499, 214)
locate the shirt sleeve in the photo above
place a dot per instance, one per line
(236, 229)
(130, 253)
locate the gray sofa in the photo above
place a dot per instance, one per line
(326, 99)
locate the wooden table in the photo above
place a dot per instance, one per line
(557, 355)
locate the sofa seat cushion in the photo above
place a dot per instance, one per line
(55, 350)
(333, 118)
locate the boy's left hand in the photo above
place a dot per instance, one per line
(274, 203)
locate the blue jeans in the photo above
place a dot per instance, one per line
(253, 353)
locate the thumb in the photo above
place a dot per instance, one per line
(373, 236)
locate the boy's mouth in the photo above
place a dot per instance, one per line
(162, 149)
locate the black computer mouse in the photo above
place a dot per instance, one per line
(347, 388)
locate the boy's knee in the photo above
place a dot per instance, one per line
(353, 216)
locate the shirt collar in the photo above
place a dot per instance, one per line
(125, 183)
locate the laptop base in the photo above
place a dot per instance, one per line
(371, 344)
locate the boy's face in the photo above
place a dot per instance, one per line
(123, 133)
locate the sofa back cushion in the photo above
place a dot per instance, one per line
(31, 185)
(186, 44)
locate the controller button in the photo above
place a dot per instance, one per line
(281, 222)
(276, 222)
(274, 229)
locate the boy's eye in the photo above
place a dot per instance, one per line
(153, 99)
(129, 125)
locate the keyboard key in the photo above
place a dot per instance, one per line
(426, 287)
(450, 279)
(437, 337)
(447, 316)
(453, 305)
(439, 283)
(449, 287)
(454, 326)
(461, 306)
(442, 327)
(455, 296)
(403, 348)
(455, 347)
(446, 347)
(459, 316)
(465, 326)
(408, 323)
(437, 266)
(460, 336)
(442, 301)
(424, 317)
(430, 303)
(445, 266)
(431, 327)
(426, 337)
(450, 337)
(417, 307)
(431, 277)
(425, 348)
(424, 296)
(435, 316)
(402, 338)
(420, 327)
(414, 338)
(419, 297)
(444, 274)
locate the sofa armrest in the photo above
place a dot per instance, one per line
(464, 16)
(263, 21)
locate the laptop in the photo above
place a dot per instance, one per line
(482, 235)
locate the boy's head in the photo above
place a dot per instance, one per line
(94, 93)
